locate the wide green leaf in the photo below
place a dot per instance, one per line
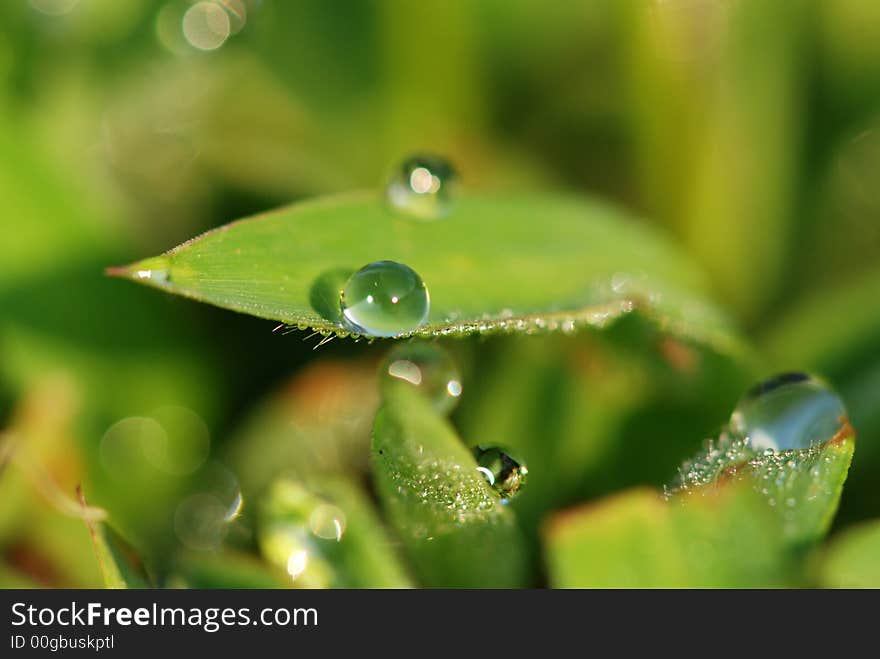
(454, 527)
(637, 540)
(497, 263)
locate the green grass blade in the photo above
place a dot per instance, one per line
(454, 527)
(802, 486)
(506, 263)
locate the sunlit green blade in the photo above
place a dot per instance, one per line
(508, 263)
(454, 527)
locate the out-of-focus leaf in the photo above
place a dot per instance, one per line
(114, 559)
(637, 540)
(226, 569)
(738, 217)
(327, 534)
(826, 329)
(44, 222)
(319, 423)
(849, 32)
(852, 560)
(455, 529)
(41, 523)
(55, 319)
(12, 578)
(515, 264)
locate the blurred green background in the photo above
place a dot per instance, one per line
(747, 129)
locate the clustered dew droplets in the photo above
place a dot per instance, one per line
(504, 473)
(384, 299)
(422, 187)
(426, 367)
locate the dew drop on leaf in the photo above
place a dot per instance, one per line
(502, 471)
(788, 412)
(427, 367)
(384, 298)
(423, 187)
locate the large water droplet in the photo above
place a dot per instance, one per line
(426, 367)
(423, 187)
(789, 411)
(502, 471)
(384, 298)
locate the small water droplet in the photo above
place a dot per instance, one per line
(787, 412)
(427, 367)
(384, 298)
(502, 471)
(423, 187)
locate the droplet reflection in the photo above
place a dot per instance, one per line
(427, 367)
(504, 473)
(206, 25)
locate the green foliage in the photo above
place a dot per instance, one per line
(490, 266)
(803, 486)
(853, 559)
(637, 540)
(734, 522)
(660, 204)
(454, 526)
